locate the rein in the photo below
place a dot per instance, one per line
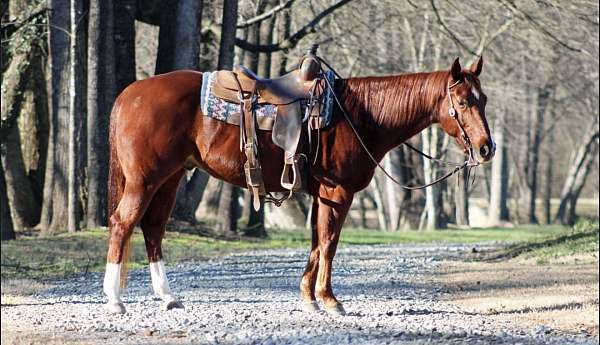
(470, 162)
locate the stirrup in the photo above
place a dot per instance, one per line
(295, 184)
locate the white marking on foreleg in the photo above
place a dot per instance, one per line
(160, 284)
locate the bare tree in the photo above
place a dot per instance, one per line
(228, 204)
(101, 93)
(579, 169)
(54, 210)
(76, 114)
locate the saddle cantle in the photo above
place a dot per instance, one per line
(303, 85)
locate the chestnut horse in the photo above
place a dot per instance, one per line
(157, 129)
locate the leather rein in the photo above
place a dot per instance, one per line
(469, 162)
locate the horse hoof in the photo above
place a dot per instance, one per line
(172, 305)
(115, 308)
(336, 310)
(310, 306)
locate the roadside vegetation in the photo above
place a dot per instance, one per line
(35, 257)
(580, 239)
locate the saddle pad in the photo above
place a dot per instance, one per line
(222, 110)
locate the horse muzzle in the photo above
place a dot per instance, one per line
(486, 151)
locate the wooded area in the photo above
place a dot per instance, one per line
(65, 61)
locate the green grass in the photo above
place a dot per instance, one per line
(582, 238)
(72, 253)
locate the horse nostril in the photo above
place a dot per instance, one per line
(484, 151)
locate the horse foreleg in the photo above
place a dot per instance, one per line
(309, 278)
(131, 207)
(153, 226)
(332, 209)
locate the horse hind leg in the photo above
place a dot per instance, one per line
(134, 201)
(153, 226)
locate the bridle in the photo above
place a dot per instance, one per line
(471, 161)
(468, 163)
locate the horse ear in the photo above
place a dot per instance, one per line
(477, 66)
(456, 70)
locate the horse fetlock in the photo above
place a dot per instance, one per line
(310, 306)
(115, 308)
(172, 304)
(336, 310)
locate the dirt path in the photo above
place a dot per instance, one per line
(388, 291)
(559, 297)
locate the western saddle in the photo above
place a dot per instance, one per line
(289, 93)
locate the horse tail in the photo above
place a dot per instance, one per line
(116, 185)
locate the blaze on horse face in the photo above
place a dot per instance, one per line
(469, 102)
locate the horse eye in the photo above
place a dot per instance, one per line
(463, 103)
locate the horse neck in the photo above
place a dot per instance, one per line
(389, 110)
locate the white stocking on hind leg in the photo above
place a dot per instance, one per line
(131, 207)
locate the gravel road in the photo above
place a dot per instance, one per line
(252, 297)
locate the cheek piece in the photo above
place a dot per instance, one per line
(463, 134)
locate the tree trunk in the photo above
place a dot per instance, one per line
(498, 209)
(228, 209)
(189, 193)
(76, 113)
(461, 199)
(7, 231)
(124, 42)
(228, 30)
(209, 204)
(267, 28)
(376, 186)
(228, 204)
(543, 99)
(179, 36)
(578, 170)
(101, 93)
(430, 143)
(24, 208)
(256, 222)
(548, 175)
(290, 214)
(279, 59)
(55, 196)
(179, 48)
(254, 37)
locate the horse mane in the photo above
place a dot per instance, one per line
(394, 101)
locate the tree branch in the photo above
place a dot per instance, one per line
(265, 15)
(517, 11)
(292, 40)
(447, 30)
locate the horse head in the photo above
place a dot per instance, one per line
(462, 112)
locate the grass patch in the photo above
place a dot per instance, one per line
(35, 257)
(583, 238)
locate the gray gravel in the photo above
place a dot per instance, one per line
(253, 297)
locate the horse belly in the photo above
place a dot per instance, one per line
(219, 154)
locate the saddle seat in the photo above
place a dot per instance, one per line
(289, 88)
